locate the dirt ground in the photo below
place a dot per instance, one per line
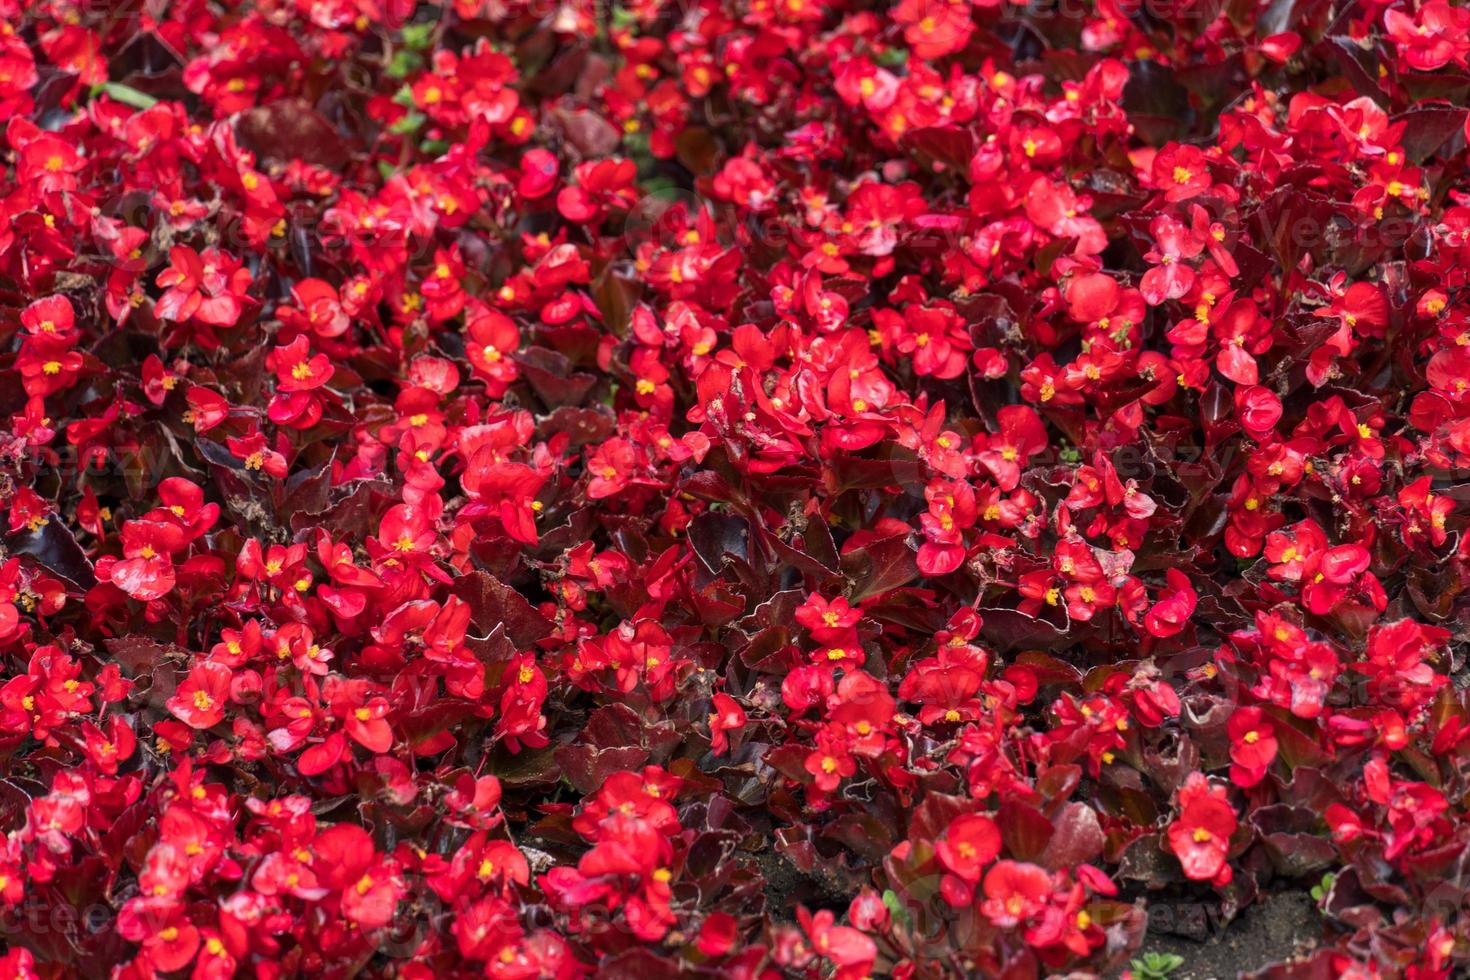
(1274, 928)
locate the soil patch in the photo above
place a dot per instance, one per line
(1273, 929)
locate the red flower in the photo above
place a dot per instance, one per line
(538, 173)
(1258, 410)
(171, 946)
(1169, 278)
(47, 161)
(52, 317)
(1252, 746)
(717, 933)
(1015, 891)
(935, 30)
(47, 367)
(728, 716)
(969, 844)
(297, 369)
(442, 290)
(1175, 607)
(599, 187)
(200, 701)
(209, 287)
(108, 750)
(146, 570)
(828, 620)
(610, 468)
(831, 762)
(852, 952)
(1200, 835)
(1432, 38)
(370, 886)
(316, 309)
(1181, 171)
(491, 347)
(366, 724)
(951, 511)
(1021, 436)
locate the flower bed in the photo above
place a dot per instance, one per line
(730, 488)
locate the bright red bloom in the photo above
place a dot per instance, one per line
(1170, 277)
(1015, 891)
(827, 620)
(491, 348)
(969, 844)
(1021, 436)
(935, 30)
(1200, 835)
(47, 367)
(727, 716)
(1171, 613)
(297, 369)
(1252, 746)
(599, 187)
(851, 951)
(1432, 38)
(208, 286)
(146, 570)
(1182, 172)
(317, 309)
(202, 698)
(51, 318)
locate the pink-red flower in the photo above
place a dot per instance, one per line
(1200, 834)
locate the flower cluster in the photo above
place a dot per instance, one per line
(722, 488)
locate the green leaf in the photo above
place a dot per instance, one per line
(127, 95)
(404, 63)
(636, 144)
(418, 36)
(407, 124)
(1156, 966)
(893, 58)
(895, 908)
